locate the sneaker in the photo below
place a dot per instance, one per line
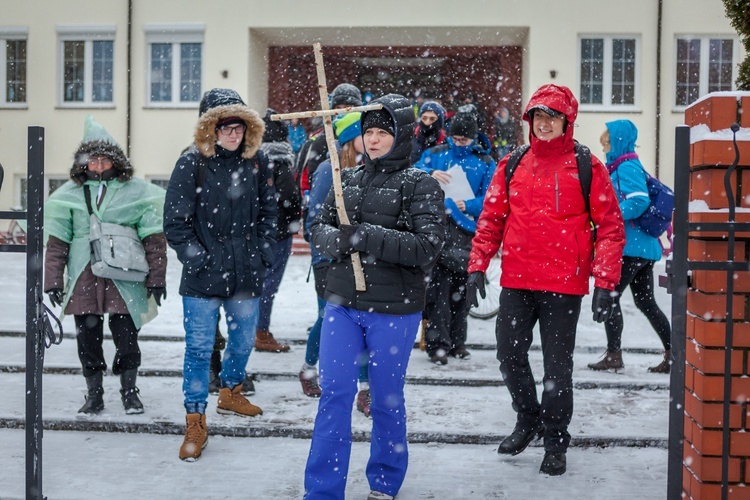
(363, 401)
(231, 402)
(196, 437)
(554, 464)
(309, 380)
(377, 495)
(460, 353)
(610, 361)
(248, 386)
(519, 439)
(131, 402)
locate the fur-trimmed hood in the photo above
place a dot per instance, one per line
(205, 131)
(121, 164)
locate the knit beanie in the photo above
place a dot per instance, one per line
(552, 112)
(346, 94)
(276, 131)
(219, 97)
(464, 124)
(380, 118)
(347, 127)
(435, 108)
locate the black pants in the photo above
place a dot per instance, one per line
(90, 336)
(557, 315)
(446, 310)
(639, 275)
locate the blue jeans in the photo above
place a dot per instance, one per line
(281, 251)
(200, 331)
(388, 341)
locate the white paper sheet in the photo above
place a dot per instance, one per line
(458, 188)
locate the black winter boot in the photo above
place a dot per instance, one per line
(129, 392)
(95, 397)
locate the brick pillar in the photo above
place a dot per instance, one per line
(711, 153)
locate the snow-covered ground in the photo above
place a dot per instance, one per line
(457, 415)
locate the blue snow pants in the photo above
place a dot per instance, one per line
(388, 341)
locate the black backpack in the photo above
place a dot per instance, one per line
(583, 159)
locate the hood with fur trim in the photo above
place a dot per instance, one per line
(205, 131)
(121, 164)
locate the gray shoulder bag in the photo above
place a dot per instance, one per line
(116, 251)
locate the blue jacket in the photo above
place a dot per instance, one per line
(322, 182)
(479, 173)
(629, 180)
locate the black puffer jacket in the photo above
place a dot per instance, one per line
(224, 227)
(398, 237)
(288, 201)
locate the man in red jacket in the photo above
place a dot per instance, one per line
(549, 252)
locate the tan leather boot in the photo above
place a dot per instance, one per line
(231, 402)
(664, 366)
(196, 437)
(610, 361)
(264, 342)
(422, 339)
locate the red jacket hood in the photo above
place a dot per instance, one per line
(560, 99)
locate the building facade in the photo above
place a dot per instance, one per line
(140, 67)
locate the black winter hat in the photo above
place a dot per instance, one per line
(219, 97)
(380, 118)
(276, 131)
(346, 94)
(464, 124)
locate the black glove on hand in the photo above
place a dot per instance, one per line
(602, 304)
(56, 296)
(475, 284)
(345, 243)
(159, 292)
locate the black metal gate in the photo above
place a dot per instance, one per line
(39, 332)
(677, 284)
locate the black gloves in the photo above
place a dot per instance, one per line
(475, 284)
(56, 296)
(345, 243)
(602, 304)
(159, 292)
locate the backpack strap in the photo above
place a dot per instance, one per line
(513, 160)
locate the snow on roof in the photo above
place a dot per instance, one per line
(728, 93)
(703, 133)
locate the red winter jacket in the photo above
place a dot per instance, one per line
(544, 229)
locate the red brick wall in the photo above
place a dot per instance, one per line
(705, 349)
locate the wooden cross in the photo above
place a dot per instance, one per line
(326, 113)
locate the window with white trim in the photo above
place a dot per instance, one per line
(174, 75)
(608, 72)
(86, 65)
(704, 64)
(13, 66)
(51, 183)
(158, 180)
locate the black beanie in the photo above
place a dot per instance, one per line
(464, 125)
(276, 131)
(219, 97)
(379, 118)
(346, 94)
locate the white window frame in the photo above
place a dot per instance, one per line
(12, 33)
(607, 105)
(160, 178)
(88, 34)
(19, 188)
(704, 62)
(175, 34)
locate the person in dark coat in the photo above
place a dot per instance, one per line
(430, 131)
(288, 204)
(103, 173)
(397, 227)
(220, 219)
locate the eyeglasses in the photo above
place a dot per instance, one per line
(229, 129)
(461, 141)
(104, 161)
